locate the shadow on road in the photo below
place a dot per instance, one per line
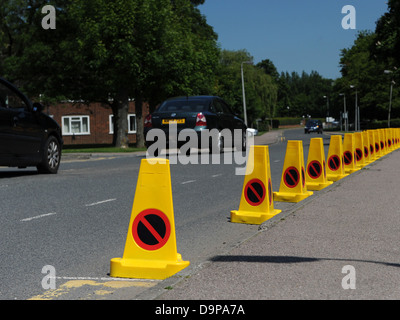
(14, 174)
(289, 259)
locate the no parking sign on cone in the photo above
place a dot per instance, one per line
(293, 183)
(256, 203)
(349, 153)
(316, 167)
(335, 165)
(150, 248)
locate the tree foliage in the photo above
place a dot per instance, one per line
(260, 89)
(149, 50)
(303, 95)
(110, 51)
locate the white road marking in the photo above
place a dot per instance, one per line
(190, 181)
(104, 279)
(38, 217)
(100, 202)
(216, 175)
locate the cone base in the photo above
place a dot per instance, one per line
(146, 269)
(318, 186)
(350, 171)
(291, 197)
(248, 217)
(334, 178)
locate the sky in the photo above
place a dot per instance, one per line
(296, 35)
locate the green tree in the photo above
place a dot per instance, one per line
(303, 95)
(111, 51)
(260, 89)
(362, 70)
(387, 45)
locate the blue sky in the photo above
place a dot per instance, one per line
(295, 35)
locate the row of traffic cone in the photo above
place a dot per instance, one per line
(344, 157)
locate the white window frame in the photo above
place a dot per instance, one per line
(76, 118)
(111, 124)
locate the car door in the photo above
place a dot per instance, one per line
(223, 118)
(229, 116)
(6, 137)
(21, 133)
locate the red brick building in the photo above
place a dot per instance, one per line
(90, 123)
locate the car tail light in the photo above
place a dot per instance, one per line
(147, 122)
(201, 120)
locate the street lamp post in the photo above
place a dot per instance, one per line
(345, 112)
(243, 91)
(356, 112)
(327, 105)
(391, 93)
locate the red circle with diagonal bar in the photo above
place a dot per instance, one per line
(314, 169)
(291, 177)
(348, 157)
(151, 229)
(359, 154)
(366, 151)
(254, 192)
(334, 163)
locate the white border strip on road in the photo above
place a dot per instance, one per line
(190, 181)
(38, 217)
(105, 279)
(100, 202)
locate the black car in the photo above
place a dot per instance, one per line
(200, 114)
(28, 137)
(313, 126)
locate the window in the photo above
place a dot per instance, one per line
(75, 125)
(184, 105)
(131, 123)
(218, 108)
(9, 99)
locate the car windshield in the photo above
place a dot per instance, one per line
(312, 123)
(182, 105)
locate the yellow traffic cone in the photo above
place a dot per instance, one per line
(335, 165)
(316, 166)
(359, 149)
(293, 184)
(256, 203)
(389, 139)
(378, 144)
(383, 142)
(396, 137)
(371, 138)
(150, 248)
(349, 154)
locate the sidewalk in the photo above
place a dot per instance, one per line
(269, 137)
(302, 254)
(265, 139)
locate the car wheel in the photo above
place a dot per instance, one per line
(51, 156)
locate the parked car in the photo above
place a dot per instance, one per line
(313, 126)
(28, 137)
(198, 113)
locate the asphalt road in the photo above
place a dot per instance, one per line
(77, 220)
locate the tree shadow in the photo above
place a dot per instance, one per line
(289, 259)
